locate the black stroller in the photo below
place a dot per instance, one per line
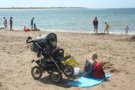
(46, 46)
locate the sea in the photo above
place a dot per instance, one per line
(72, 19)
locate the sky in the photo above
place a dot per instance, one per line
(69, 3)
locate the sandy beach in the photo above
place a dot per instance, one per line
(16, 56)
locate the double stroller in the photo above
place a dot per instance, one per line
(53, 61)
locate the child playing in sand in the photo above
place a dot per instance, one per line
(106, 28)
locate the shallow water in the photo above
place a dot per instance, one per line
(71, 19)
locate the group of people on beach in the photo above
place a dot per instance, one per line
(33, 25)
(106, 28)
(95, 24)
(10, 23)
(34, 28)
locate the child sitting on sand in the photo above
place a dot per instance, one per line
(93, 68)
(26, 29)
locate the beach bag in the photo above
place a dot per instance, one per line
(77, 72)
(97, 71)
(88, 67)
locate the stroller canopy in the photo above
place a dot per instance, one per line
(52, 37)
(43, 41)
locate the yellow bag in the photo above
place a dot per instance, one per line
(70, 61)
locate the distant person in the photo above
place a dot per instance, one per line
(32, 23)
(126, 29)
(106, 28)
(95, 24)
(35, 27)
(11, 23)
(5, 23)
(26, 29)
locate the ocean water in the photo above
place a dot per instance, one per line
(71, 19)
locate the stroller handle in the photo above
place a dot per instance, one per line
(29, 40)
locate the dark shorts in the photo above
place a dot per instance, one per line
(95, 27)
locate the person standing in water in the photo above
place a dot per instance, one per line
(106, 28)
(95, 24)
(11, 23)
(126, 30)
(32, 23)
(5, 23)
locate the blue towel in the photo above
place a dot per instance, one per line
(87, 82)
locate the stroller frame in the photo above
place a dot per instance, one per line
(55, 68)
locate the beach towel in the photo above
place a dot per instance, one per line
(86, 82)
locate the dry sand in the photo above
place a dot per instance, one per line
(16, 56)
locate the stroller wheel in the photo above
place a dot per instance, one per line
(55, 76)
(68, 70)
(36, 72)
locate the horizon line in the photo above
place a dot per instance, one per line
(62, 7)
